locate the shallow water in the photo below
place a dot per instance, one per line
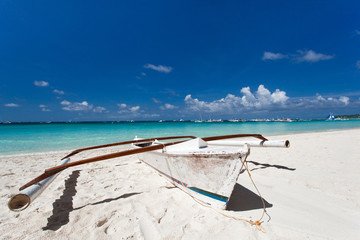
(31, 138)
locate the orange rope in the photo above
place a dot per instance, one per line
(256, 223)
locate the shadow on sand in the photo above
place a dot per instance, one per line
(242, 199)
(265, 165)
(64, 205)
(126, 195)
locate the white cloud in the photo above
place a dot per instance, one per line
(263, 100)
(41, 83)
(122, 105)
(230, 102)
(81, 107)
(319, 102)
(159, 68)
(168, 106)
(311, 56)
(151, 115)
(134, 109)
(99, 109)
(11, 105)
(76, 106)
(64, 102)
(59, 92)
(301, 56)
(357, 32)
(124, 108)
(44, 108)
(171, 92)
(358, 64)
(273, 56)
(142, 75)
(247, 97)
(344, 100)
(279, 97)
(262, 97)
(156, 100)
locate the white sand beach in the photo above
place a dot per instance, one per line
(312, 191)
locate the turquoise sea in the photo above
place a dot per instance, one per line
(42, 137)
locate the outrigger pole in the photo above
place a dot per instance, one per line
(23, 199)
(29, 192)
(123, 143)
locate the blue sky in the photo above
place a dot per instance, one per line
(151, 60)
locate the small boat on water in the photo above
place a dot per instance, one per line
(205, 168)
(331, 117)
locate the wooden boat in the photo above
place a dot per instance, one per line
(208, 173)
(205, 168)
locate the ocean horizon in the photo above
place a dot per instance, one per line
(22, 138)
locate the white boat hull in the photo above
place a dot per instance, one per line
(209, 174)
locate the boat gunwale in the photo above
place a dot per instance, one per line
(199, 154)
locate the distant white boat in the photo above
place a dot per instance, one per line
(331, 117)
(214, 120)
(285, 120)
